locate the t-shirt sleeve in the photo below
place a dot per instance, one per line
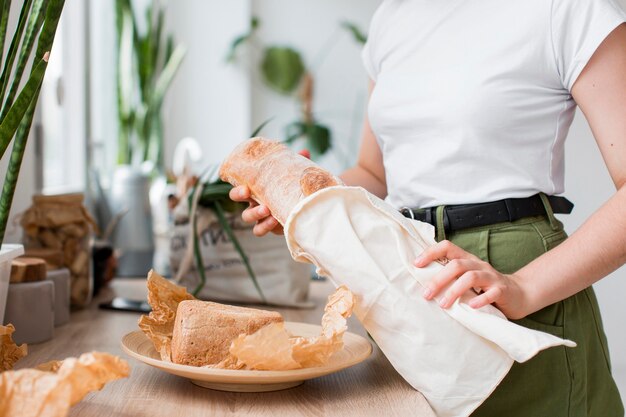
(578, 28)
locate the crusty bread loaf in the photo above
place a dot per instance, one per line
(277, 176)
(203, 330)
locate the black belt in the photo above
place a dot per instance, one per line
(464, 216)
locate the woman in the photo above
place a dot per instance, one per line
(470, 104)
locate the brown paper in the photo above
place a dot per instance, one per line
(163, 297)
(52, 391)
(273, 348)
(62, 223)
(9, 351)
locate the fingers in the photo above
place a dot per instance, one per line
(443, 249)
(255, 213)
(240, 193)
(467, 281)
(449, 273)
(265, 226)
(488, 297)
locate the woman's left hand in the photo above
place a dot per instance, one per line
(469, 271)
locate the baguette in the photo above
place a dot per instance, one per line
(276, 176)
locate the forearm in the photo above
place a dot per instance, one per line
(359, 176)
(596, 249)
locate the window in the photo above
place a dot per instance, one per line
(62, 109)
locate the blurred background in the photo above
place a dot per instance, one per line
(235, 65)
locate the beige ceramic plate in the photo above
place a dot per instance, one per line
(356, 349)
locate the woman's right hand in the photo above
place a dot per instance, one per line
(256, 213)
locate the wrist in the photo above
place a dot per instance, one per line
(527, 298)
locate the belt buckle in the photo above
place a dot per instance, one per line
(407, 212)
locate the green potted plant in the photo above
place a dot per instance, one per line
(35, 30)
(147, 64)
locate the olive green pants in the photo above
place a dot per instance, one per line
(559, 381)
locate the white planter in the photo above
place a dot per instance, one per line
(7, 254)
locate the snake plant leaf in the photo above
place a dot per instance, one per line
(125, 83)
(357, 34)
(282, 68)
(35, 20)
(13, 48)
(167, 76)
(44, 44)
(198, 257)
(221, 217)
(49, 29)
(157, 35)
(4, 21)
(11, 122)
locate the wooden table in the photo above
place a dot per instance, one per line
(372, 388)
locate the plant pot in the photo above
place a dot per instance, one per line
(133, 236)
(7, 254)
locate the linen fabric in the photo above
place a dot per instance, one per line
(472, 99)
(454, 357)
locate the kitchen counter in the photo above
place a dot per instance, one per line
(371, 388)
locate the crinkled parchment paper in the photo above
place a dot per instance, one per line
(51, 389)
(163, 297)
(9, 351)
(273, 348)
(270, 348)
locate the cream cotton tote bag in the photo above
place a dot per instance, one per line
(455, 357)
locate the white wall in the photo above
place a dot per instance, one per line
(209, 99)
(313, 28)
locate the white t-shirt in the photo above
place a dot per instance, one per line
(472, 99)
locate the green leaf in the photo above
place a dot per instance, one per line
(166, 77)
(318, 138)
(295, 130)
(9, 125)
(282, 68)
(13, 49)
(221, 217)
(260, 127)
(44, 44)
(198, 257)
(4, 20)
(241, 39)
(35, 20)
(357, 34)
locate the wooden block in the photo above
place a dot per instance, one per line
(53, 257)
(25, 269)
